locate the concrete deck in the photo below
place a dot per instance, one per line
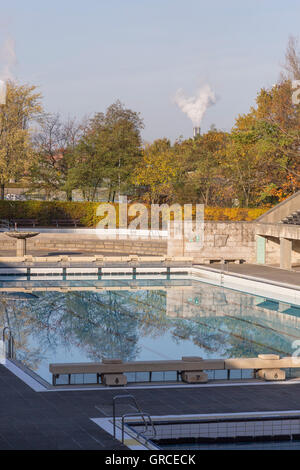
(61, 420)
(261, 272)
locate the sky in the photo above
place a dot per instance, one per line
(84, 55)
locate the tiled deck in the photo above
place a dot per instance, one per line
(262, 272)
(61, 419)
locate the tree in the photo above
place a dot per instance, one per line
(16, 154)
(292, 59)
(55, 142)
(157, 171)
(108, 151)
(201, 178)
(275, 129)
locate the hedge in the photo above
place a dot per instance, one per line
(47, 211)
(234, 214)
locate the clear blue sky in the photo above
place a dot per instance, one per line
(86, 54)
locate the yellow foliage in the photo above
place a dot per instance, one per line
(233, 213)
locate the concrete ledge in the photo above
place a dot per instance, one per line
(257, 363)
(103, 260)
(191, 369)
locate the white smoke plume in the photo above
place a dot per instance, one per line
(195, 106)
(2, 92)
(8, 59)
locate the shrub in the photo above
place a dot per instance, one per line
(233, 214)
(47, 211)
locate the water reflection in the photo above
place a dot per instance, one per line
(192, 319)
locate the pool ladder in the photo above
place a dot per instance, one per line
(139, 413)
(10, 350)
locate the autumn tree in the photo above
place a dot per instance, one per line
(23, 105)
(109, 151)
(157, 172)
(200, 163)
(273, 139)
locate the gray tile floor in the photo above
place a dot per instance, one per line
(267, 273)
(61, 420)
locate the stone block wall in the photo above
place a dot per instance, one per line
(221, 240)
(273, 251)
(60, 242)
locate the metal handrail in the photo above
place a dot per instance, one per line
(6, 328)
(152, 426)
(142, 415)
(120, 397)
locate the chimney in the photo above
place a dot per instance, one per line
(196, 131)
(2, 92)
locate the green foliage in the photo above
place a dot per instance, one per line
(108, 151)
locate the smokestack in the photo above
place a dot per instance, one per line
(196, 131)
(2, 92)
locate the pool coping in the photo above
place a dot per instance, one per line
(38, 384)
(247, 276)
(247, 284)
(131, 437)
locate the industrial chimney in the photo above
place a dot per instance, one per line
(196, 131)
(2, 92)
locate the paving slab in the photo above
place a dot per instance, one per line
(61, 420)
(262, 272)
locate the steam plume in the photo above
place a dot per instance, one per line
(8, 59)
(195, 106)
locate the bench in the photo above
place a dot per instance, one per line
(66, 222)
(111, 372)
(24, 222)
(116, 369)
(223, 261)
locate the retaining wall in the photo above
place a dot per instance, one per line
(60, 242)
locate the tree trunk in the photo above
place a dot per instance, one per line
(69, 194)
(2, 191)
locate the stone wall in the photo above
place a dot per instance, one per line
(273, 251)
(222, 240)
(60, 242)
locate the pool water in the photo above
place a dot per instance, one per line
(142, 320)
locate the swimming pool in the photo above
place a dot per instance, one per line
(88, 320)
(253, 432)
